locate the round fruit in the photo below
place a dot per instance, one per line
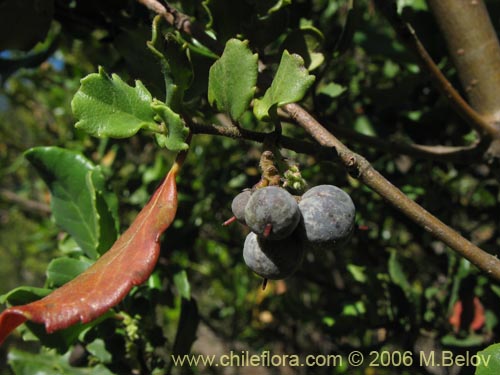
(328, 216)
(272, 259)
(272, 212)
(239, 203)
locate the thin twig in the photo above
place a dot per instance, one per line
(455, 154)
(302, 147)
(362, 169)
(410, 38)
(182, 22)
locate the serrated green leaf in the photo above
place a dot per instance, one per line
(232, 79)
(489, 361)
(72, 181)
(107, 107)
(177, 131)
(290, 84)
(64, 269)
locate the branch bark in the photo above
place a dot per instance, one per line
(299, 146)
(362, 169)
(475, 51)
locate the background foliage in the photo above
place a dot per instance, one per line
(392, 288)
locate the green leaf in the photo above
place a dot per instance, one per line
(72, 181)
(98, 349)
(363, 125)
(49, 363)
(332, 90)
(357, 272)
(397, 274)
(62, 270)
(290, 84)
(490, 361)
(182, 284)
(232, 79)
(176, 130)
(107, 107)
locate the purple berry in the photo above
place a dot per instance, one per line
(272, 211)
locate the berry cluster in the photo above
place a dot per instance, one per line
(284, 227)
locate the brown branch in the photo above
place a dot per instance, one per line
(406, 33)
(234, 132)
(474, 48)
(362, 169)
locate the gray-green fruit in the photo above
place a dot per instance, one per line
(272, 206)
(328, 216)
(238, 205)
(273, 259)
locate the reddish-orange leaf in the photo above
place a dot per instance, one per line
(479, 316)
(474, 322)
(456, 315)
(129, 262)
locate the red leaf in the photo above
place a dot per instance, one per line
(129, 262)
(479, 317)
(474, 322)
(455, 318)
